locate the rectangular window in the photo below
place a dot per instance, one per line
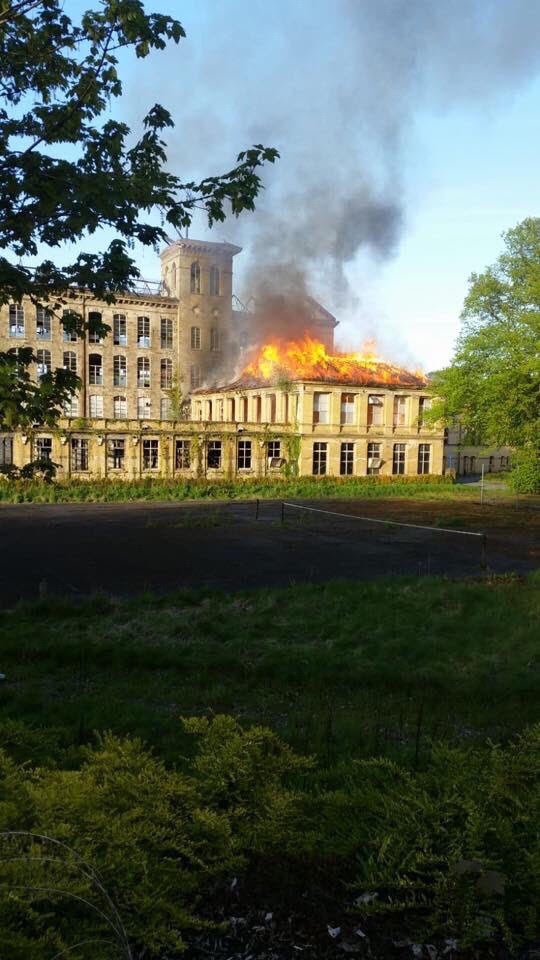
(274, 449)
(95, 368)
(119, 371)
(119, 330)
(400, 411)
(195, 338)
(43, 324)
(375, 410)
(43, 362)
(166, 333)
(143, 372)
(116, 454)
(319, 458)
(214, 454)
(69, 335)
(271, 407)
(44, 448)
(150, 454)
(424, 453)
(244, 454)
(165, 411)
(374, 462)
(321, 408)
(347, 408)
(214, 339)
(143, 331)
(120, 408)
(71, 407)
(6, 451)
(144, 408)
(398, 459)
(79, 454)
(257, 401)
(166, 374)
(16, 320)
(195, 377)
(183, 454)
(424, 404)
(96, 406)
(346, 459)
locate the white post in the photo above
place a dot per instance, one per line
(482, 486)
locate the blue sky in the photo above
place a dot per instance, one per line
(429, 119)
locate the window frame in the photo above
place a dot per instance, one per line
(150, 453)
(244, 455)
(320, 458)
(214, 450)
(346, 458)
(182, 454)
(399, 459)
(423, 460)
(79, 454)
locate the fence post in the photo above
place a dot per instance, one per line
(282, 511)
(482, 487)
(483, 557)
(257, 509)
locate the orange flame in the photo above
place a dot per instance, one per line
(307, 359)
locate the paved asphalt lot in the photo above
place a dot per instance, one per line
(122, 549)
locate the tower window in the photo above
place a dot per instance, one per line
(214, 281)
(195, 278)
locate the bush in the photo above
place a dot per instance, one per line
(525, 473)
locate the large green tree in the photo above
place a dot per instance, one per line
(68, 169)
(493, 382)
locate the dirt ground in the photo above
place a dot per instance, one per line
(123, 549)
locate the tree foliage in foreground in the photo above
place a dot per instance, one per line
(493, 383)
(68, 168)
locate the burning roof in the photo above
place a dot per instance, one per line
(307, 359)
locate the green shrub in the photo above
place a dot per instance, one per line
(525, 473)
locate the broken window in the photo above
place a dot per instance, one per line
(400, 411)
(69, 335)
(347, 408)
(119, 408)
(94, 336)
(346, 459)
(116, 453)
(214, 281)
(6, 451)
(143, 331)
(119, 330)
(321, 408)
(195, 278)
(244, 455)
(214, 339)
(183, 454)
(70, 361)
(16, 320)
(119, 371)
(398, 459)
(424, 453)
(271, 407)
(375, 410)
(96, 406)
(195, 376)
(43, 324)
(374, 461)
(79, 454)
(319, 458)
(150, 454)
(43, 362)
(95, 368)
(166, 333)
(214, 454)
(144, 408)
(165, 368)
(44, 448)
(143, 371)
(195, 338)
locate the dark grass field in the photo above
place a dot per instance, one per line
(339, 670)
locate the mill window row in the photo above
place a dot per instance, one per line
(374, 462)
(139, 330)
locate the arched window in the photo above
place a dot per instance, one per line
(214, 281)
(143, 371)
(166, 374)
(95, 368)
(173, 279)
(43, 361)
(119, 371)
(70, 361)
(16, 320)
(94, 318)
(119, 408)
(195, 278)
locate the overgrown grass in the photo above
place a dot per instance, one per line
(111, 491)
(338, 670)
